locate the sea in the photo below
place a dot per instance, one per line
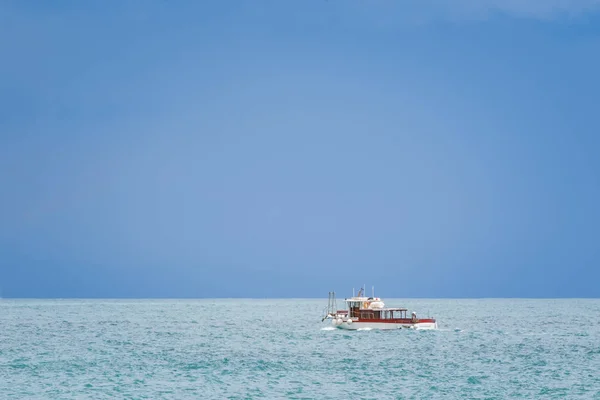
(280, 349)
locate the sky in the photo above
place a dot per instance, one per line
(183, 149)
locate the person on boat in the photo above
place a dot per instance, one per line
(414, 316)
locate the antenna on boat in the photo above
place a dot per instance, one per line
(373, 291)
(352, 292)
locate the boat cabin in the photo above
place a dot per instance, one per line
(370, 308)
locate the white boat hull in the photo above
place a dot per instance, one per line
(354, 326)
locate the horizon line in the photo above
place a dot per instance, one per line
(294, 298)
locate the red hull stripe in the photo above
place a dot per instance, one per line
(396, 321)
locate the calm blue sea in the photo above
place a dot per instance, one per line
(279, 349)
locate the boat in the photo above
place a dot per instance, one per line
(366, 313)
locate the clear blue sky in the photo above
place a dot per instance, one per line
(287, 148)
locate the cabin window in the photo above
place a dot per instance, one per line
(366, 315)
